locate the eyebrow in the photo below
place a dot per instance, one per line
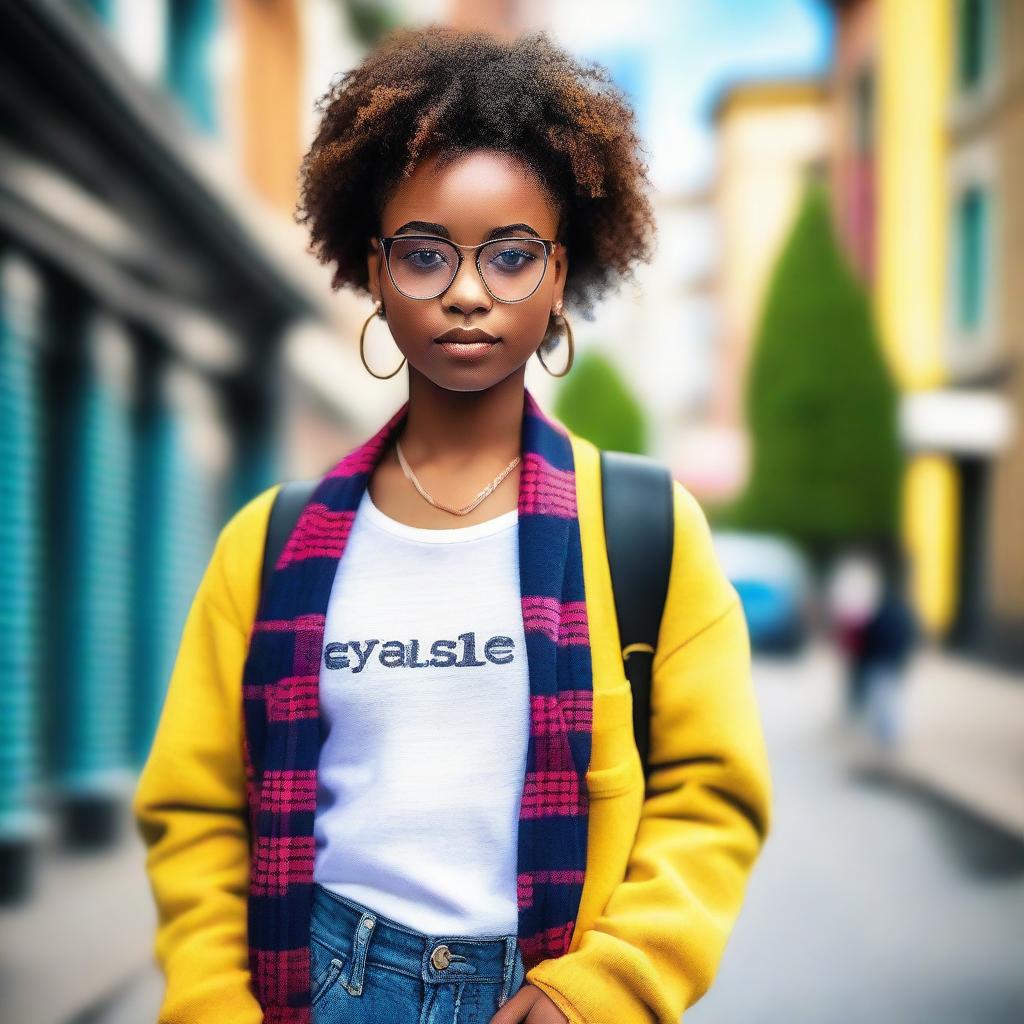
(440, 229)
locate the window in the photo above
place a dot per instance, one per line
(973, 229)
(976, 42)
(190, 30)
(104, 9)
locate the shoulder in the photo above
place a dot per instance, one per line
(696, 577)
(699, 591)
(238, 557)
(690, 520)
(250, 518)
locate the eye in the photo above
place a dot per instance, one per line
(512, 259)
(425, 259)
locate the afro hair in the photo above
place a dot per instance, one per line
(440, 92)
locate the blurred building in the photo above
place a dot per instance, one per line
(771, 135)
(671, 320)
(167, 349)
(919, 133)
(702, 454)
(984, 310)
(922, 143)
(853, 102)
(950, 142)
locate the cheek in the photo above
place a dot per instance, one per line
(529, 320)
(413, 318)
(411, 323)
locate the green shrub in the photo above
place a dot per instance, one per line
(594, 402)
(820, 403)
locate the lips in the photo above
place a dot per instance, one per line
(459, 336)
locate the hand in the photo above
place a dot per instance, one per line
(529, 1006)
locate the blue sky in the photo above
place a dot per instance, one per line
(685, 51)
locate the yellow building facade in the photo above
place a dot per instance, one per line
(913, 92)
(949, 133)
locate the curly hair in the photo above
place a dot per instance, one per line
(440, 92)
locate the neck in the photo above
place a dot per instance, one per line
(462, 428)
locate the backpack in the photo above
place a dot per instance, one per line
(637, 503)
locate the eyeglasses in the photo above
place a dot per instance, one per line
(424, 266)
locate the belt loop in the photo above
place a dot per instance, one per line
(510, 963)
(360, 945)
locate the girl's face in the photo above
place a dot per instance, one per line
(482, 195)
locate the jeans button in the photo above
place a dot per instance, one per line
(441, 957)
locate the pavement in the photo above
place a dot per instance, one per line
(73, 950)
(877, 899)
(961, 735)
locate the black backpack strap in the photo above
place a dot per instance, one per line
(639, 525)
(289, 502)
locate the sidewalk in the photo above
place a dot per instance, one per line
(82, 940)
(963, 735)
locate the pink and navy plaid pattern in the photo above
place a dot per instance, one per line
(282, 723)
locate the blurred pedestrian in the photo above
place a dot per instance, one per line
(853, 597)
(888, 640)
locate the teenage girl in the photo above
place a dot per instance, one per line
(400, 786)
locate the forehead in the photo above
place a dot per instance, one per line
(472, 194)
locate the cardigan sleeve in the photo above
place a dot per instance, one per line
(656, 947)
(189, 805)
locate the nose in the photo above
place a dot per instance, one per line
(467, 292)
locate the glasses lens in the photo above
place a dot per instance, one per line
(422, 268)
(512, 267)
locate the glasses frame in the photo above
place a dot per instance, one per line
(387, 241)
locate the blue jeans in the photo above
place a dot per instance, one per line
(368, 969)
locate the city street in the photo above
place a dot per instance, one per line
(872, 901)
(769, 248)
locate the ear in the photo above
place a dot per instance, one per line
(560, 258)
(374, 255)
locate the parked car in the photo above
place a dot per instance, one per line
(774, 582)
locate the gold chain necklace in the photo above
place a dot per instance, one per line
(407, 469)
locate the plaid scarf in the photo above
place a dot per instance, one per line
(282, 715)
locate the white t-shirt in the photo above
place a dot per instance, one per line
(424, 699)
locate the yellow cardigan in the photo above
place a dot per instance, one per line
(666, 875)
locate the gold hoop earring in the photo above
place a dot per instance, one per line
(568, 335)
(379, 312)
